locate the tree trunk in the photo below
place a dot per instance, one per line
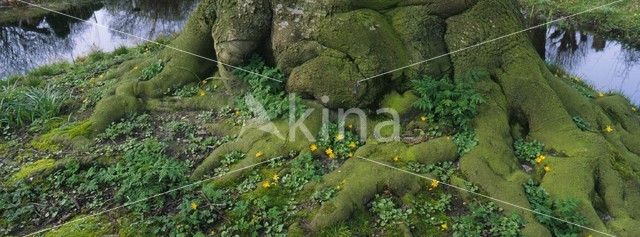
(325, 47)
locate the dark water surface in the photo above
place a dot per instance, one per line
(608, 65)
(29, 43)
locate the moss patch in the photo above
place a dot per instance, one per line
(82, 226)
(71, 135)
(32, 169)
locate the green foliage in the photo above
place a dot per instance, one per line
(152, 70)
(49, 70)
(263, 215)
(228, 160)
(250, 183)
(581, 123)
(122, 50)
(187, 91)
(452, 103)
(323, 195)
(441, 171)
(22, 105)
(302, 171)
(527, 151)
(562, 210)
(387, 212)
(144, 171)
(127, 128)
(196, 215)
(267, 92)
(431, 211)
(486, 219)
(336, 144)
(465, 141)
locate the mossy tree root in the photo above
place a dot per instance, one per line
(598, 168)
(179, 68)
(359, 179)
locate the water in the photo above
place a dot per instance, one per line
(608, 65)
(29, 43)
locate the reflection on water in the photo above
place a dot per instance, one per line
(29, 43)
(608, 65)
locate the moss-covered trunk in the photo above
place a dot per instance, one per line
(325, 47)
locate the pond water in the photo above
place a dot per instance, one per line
(608, 65)
(29, 43)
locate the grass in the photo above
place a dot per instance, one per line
(619, 20)
(20, 106)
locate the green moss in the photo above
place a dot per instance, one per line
(423, 36)
(82, 226)
(111, 109)
(402, 103)
(239, 28)
(32, 169)
(338, 76)
(359, 180)
(362, 44)
(71, 135)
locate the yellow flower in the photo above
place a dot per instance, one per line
(135, 68)
(259, 154)
(313, 147)
(600, 94)
(434, 184)
(275, 178)
(608, 129)
(330, 153)
(396, 158)
(547, 168)
(202, 93)
(266, 184)
(350, 126)
(339, 137)
(540, 158)
(423, 118)
(444, 226)
(194, 206)
(352, 145)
